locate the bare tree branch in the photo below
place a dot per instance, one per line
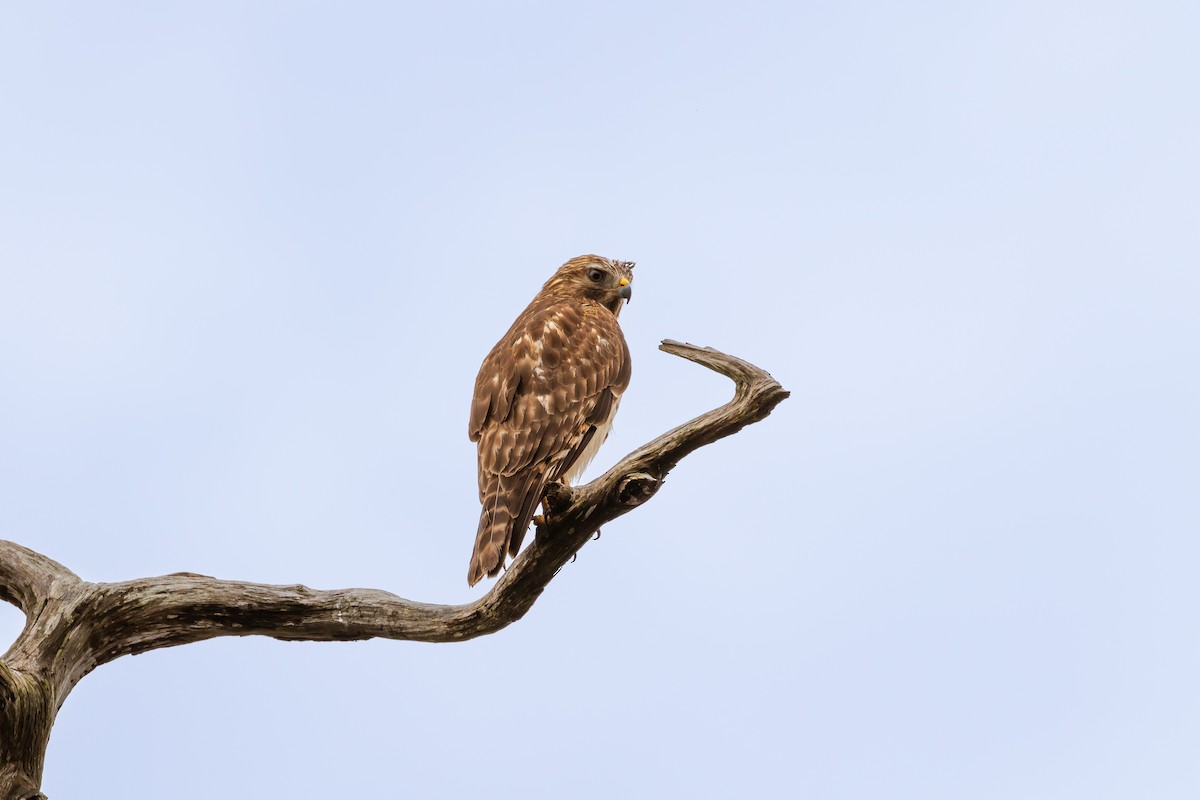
(26, 577)
(73, 626)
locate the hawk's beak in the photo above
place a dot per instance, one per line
(626, 291)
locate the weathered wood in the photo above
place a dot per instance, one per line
(73, 626)
(29, 698)
(26, 716)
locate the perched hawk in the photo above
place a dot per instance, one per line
(545, 398)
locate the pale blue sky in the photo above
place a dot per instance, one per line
(251, 255)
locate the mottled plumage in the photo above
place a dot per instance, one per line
(545, 398)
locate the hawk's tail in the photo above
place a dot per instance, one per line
(508, 505)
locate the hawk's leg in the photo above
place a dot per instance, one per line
(555, 498)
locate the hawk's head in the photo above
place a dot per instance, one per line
(595, 278)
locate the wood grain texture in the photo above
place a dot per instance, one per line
(73, 626)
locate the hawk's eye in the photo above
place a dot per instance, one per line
(594, 275)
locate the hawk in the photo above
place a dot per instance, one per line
(545, 399)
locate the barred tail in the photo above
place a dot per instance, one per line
(508, 505)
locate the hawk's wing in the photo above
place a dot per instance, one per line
(541, 394)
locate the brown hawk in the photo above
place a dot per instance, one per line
(545, 399)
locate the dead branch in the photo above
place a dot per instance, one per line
(73, 626)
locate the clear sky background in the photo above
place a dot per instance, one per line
(251, 255)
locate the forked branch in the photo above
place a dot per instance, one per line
(73, 626)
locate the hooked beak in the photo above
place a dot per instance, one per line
(626, 291)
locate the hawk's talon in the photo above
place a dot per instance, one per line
(573, 557)
(596, 538)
